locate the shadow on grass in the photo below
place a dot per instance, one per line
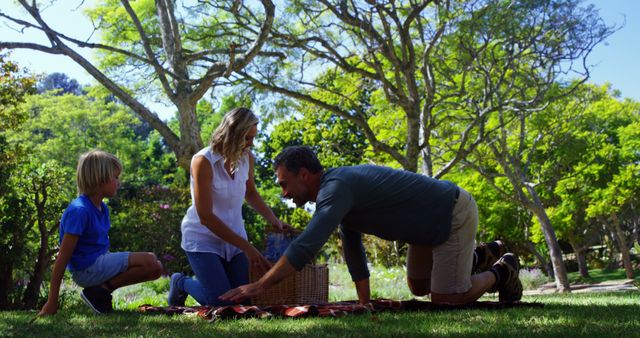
(614, 314)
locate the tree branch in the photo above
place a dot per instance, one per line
(160, 72)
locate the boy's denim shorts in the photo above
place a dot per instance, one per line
(103, 269)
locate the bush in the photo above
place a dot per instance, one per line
(148, 220)
(532, 278)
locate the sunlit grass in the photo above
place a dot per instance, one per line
(602, 275)
(563, 315)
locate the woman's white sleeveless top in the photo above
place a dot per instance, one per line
(228, 197)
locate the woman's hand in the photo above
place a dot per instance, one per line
(281, 227)
(49, 308)
(257, 262)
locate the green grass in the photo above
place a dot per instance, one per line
(602, 275)
(575, 315)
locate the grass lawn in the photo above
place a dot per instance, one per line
(576, 315)
(601, 275)
(563, 315)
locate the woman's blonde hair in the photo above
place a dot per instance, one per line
(96, 168)
(229, 138)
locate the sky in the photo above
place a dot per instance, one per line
(614, 61)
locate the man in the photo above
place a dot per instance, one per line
(436, 218)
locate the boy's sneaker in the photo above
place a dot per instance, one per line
(509, 286)
(98, 299)
(487, 254)
(177, 296)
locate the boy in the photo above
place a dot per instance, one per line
(84, 240)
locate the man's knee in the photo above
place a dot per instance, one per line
(419, 287)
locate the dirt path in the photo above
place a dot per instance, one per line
(608, 286)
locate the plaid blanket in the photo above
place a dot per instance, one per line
(339, 309)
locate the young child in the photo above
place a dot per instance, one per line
(84, 240)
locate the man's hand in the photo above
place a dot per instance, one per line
(49, 308)
(280, 270)
(241, 293)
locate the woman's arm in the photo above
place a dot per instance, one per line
(255, 200)
(67, 246)
(203, 195)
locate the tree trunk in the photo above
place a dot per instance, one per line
(190, 140)
(622, 246)
(30, 296)
(555, 253)
(546, 266)
(581, 258)
(6, 281)
(8, 261)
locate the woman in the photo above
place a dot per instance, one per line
(213, 233)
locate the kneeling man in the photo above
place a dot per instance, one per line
(436, 218)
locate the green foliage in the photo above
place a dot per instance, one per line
(15, 85)
(256, 226)
(336, 142)
(148, 219)
(32, 195)
(44, 154)
(63, 127)
(31, 208)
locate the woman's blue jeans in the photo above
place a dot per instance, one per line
(214, 276)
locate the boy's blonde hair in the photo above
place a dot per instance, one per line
(228, 139)
(95, 168)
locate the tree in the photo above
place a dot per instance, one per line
(15, 84)
(581, 162)
(554, 160)
(43, 188)
(433, 71)
(41, 182)
(613, 199)
(61, 83)
(30, 195)
(183, 52)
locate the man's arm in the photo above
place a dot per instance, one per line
(356, 258)
(332, 204)
(278, 272)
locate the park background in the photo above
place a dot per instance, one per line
(551, 155)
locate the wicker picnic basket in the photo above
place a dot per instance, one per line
(307, 286)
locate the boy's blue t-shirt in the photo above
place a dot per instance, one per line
(83, 219)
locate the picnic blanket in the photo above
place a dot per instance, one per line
(338, 309)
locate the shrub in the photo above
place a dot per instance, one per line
(532, 278)
(148, 220)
